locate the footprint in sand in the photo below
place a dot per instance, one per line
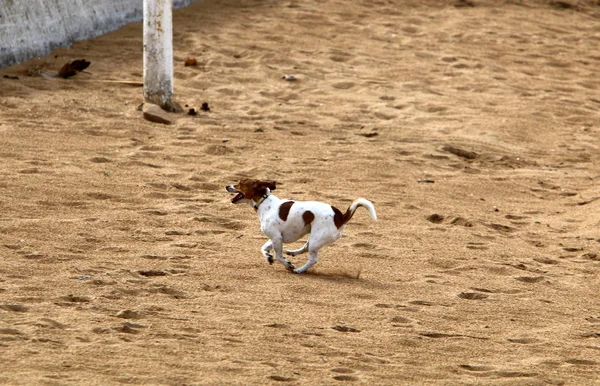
(8, 334)
(174, 293)
(280, 378)
(14, 307)
(72, 300)
(129, 314)
(342, 370)
(476, 368)
(343, 85)
(129, 328)
(530, 279)
(473, 295)
(344, 374)
(151, 148)
(462, 222)
(340, 57)
(545, 260)
(401, 321)
(501, 228)
(477, 245)
(514, 374)
(100, 160)
(345, 377)
(524, 340)
(218, 150)
(226, 223)
(581, 362)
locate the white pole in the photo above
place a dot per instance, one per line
(158, 53)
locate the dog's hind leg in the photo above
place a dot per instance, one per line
(296, 252)
(266, 249)
(312, 259)
(315, 242)
(313, 249)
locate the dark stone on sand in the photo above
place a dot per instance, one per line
(154, 113)
(435, 218)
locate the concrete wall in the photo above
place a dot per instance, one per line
(30, 28)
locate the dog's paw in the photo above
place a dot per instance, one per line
(290, 267)
(269, 258)
(297, 271)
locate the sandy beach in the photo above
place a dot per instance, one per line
(473, 127)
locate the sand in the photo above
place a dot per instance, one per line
(472, 126)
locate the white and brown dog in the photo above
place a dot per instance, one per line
(285, 221)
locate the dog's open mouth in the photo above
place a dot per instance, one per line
(237, 197)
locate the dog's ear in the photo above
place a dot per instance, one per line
(271, 185)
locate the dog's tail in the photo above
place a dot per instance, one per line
(360, 202)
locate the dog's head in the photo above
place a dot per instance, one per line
(249, 190)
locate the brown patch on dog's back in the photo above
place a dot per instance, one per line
(308, 217)
(284, 210)
(338, 217)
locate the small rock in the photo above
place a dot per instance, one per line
(435, 218)
(289, 78)
(154, 113)
(191, 62)
(205, 107)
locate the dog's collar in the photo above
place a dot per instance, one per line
(262, 199)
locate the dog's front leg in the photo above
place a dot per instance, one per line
(278, 247)
(266, 249)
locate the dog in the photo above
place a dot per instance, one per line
(286, 221)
